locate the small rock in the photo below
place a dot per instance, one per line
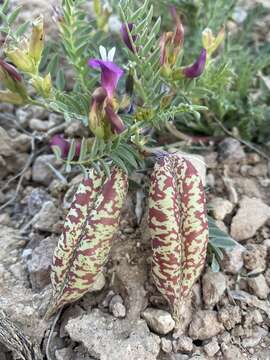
(36, 199)
(211, 348)
(253, 158)
(183, 344)
(41, 172)
(254, 340)
(5, 219)
(166, 345)
(213, 286)
(114, 300)
(40, 263)
(231, 149)
(252, 214)
(255, 257)
(105, 337)
(36, 111)
(64, 354)
(38, 125)
(257, 316)
(205, 325)
(258, 170)
(46, 218)
(22, 142)
(6, 108)
(233, 261)
(6, 148)
(76, 129)
(23, 116)
(229, 316)
(116, 307)
(247, 186)
(220, 208)
(159, 321)
(225, 338)
(210, 180)
(118, 310)
(55, 119)
(258, 286)
(231, 352)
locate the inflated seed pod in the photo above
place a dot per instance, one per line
(178, 227)
(89, 228)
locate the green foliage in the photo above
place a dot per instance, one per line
(232, 87)
(7, 22)
(76, 34)
(218, 241)
(144, 63)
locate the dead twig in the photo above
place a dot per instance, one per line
(244, 142)
(56, 318)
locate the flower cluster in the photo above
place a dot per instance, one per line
(103, 118)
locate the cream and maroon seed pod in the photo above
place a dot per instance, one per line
(178, 227)
(85, 243)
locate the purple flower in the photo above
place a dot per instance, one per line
(110, 74)
(64, 145)
(197, 68)
(125, 37)
(11, 70)
(117, 125)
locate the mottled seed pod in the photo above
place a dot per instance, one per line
(178, 227)
(89, 228)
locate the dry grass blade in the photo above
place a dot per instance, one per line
(13, 338)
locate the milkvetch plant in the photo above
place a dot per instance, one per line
(120, 93)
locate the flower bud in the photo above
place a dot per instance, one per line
(12, 79)
(59, 141)
(103, 119)
(171, 44)
(197, 68)
(210, 42)
(96, 115)
(36, 44)
(116, 123)
(43, 86)
(20, 59)
(47, 85)
(125, 35)
(10, 71)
